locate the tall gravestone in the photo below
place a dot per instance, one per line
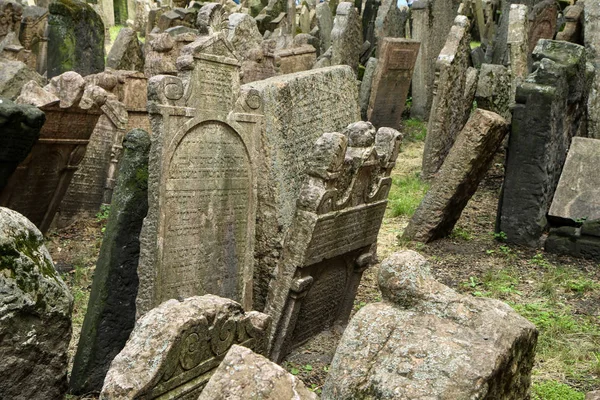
(298, 108)
(542, 22)
(592, 45)
(110, 314)
(332, 237)
(198, 237)
(346, 36)
(549, 111)
(325, 25)
(518, 46)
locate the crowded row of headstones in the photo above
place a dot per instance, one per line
(235, 189)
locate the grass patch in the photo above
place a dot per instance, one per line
(114, 32)
(475, 44)
(406, 195)
(415, 130)
(553, 390)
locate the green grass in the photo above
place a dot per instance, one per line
(406, 195)
(415, 130)
(114, 32)
(553, 390)
(475, 44)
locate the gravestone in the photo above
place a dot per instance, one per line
(33, 36)
(39, 183)
(296, 59)
(20, 126)
(391, 81)
(75, 39)
(162, 50)
(573, 29)
(457, 180)
(390, 22)
(493, 90)
(325, 25)
(126, 52)
(110, 314)
(366, 86)
(542, 22)
(592, 45)
(244, 374)
(369, 15)
(431, 23)
(14, 75)
(298, 108)
(198, 237)
(176, 347)
(450, 105)
(346, 36)
(332, 237)
(518, 46)
(549, 108)
(426, 341)
(35, 328)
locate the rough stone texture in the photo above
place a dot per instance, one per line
(577, 196)
(458, 178)
(162, 50)
(333, 235)
(450, 106)
(75, 38)
(592, 46)
(573, 29)
(14, 75)
(493, 90)
(35, 304)
(244, 374)
(369, 15)
(296, 59)
(40, 182)
(427, 341)
(518, 46)
(431, 23)
(325, 24)
(20, 126)
(110, 315)
(298, 108)
(126, 52)
(33, 36)
(176, 347)
(391, 81)
(198, 237)
(549, 108)
(366, 86)
(542, 22)
(346, 36)
(390, 22)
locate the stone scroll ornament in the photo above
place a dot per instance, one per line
(176, 347)
(198, 236)
(332, 238)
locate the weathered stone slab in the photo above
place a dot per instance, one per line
(198, 237)
(493, 90)
(390, 22)
(329, 245)
(110, 315)
(450, 106)
(298, 108)
(14, 75)
(391, 81)
(244, 374)
(549, 109)
(366, 85)
(427, 341)
(346, 36)
(542, 22)
(176, 347)
(20, 126)
(33, 36)
(458, 178)
(296, 59)
(162, 50)
(325, 24)
(518, 46)
(75, 39)
(35, 328)
(126, 52)
(592, 46)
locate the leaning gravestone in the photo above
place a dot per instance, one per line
(425, 341)
(366, 85)
(75, 39)
(325, 24)
(346, 36)
(20, 126)
(35, 328)
(493, 89)
(110, 314)
(549, 111)
(391, 81)
(176, 347)
(198, 237)
(126, 52)
(332, 237)
(298, 108)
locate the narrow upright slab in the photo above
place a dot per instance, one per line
(198, 237)
(518, 46)
(591, 33)
(493, 89)
(330, 242)
(542, 24)
(346, 36)
(458, 178)
(391, 81)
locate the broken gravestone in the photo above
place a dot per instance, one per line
(110, 315)
(176, 347)
(493, 89)
(346, 36)
(427, 341)
(126, 52)
(332, 237)
(458, 178)
(35, 328)
(244, 374)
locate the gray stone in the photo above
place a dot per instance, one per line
(595, 395)
(573, 29)
(126, 52)
(333, 235)
(366, 87)
(458, 178)
(298, 108)
(518, 46)
(20, 126)
(549, 111)
(427, 341)
(592, 46)
(450, 106)
(14, 75)
(346, 36)
(325, 24)
(36, 306)
(33, 36)
(390, 22)
(175, 348)
(493, 90)
(110, 315)
(243, 34)
(244, 374)
(477, 57)
(591, 228)
(577, 196)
